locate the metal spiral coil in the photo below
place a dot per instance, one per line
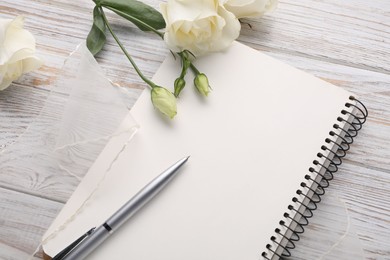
(312, 196)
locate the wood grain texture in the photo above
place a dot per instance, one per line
(344, 42)
(21, 226)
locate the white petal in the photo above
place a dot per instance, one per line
(230, 31)
(16, 38)
(190, 10)
(198, 26)
(10, 72)
(4, 83)
(31, 63)
(250, 8)
(20, 55)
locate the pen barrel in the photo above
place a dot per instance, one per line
(143, 196)
(89, 244)
(86, 246)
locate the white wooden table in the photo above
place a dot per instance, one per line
(344, 42)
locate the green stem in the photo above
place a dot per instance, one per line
(194, 69)
(138, 20)
(184, 67)
(147, 81)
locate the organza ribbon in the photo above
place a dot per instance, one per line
(81, 113)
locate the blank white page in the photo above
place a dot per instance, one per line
(251, 143)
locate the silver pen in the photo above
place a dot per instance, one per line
(84, 245)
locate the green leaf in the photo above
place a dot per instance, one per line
(142, 15)
(96, 37)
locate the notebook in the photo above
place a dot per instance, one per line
(264, 145)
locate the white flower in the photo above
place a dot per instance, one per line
(199, 26)
(249, 8)
(17, 48)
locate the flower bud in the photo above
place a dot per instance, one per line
(180, 83)
(164, 101)
(202, 84)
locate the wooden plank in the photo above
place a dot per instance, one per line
(366, 194)
(324, 30)
(23, 220)
(343, 32)
(345, 43)
(19, 105)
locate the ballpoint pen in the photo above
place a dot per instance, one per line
(84, 245)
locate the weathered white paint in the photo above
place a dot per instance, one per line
(344, 42)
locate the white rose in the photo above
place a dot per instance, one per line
(249, 8)
(17, 48)
(199, 26)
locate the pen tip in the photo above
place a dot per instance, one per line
(185, 159)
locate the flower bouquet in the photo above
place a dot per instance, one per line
(191, 28)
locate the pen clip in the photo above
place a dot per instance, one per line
(69, 248)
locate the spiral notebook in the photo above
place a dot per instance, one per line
(264, 146)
